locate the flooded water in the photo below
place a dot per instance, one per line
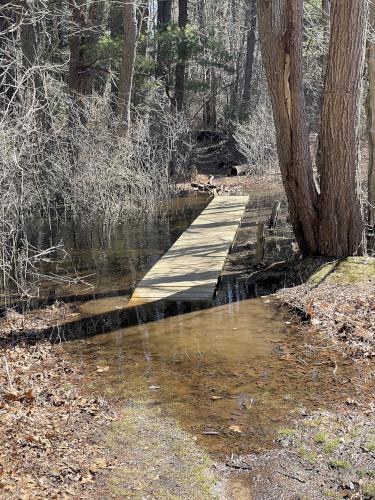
(230, 372)
(230, 375)
(107, 262)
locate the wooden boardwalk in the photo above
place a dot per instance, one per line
(191, 267)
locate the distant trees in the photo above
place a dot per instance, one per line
(165, 66)
(181, 54)
(327, 220)
(84, 34)
(251, 21)
(127, 65)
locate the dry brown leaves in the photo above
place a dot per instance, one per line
(50, 433)
(34, 321)
(346, 312)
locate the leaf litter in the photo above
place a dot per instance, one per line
(52, 431)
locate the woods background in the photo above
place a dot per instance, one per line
(103, 102)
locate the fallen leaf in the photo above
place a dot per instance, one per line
(14, 396)
(100, 463)
(235, 428)
(102, 369)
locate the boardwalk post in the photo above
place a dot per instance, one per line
(275, 215)
(261, 241)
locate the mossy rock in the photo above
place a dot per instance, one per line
(345, 271)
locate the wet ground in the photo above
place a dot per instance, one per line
(230, 373)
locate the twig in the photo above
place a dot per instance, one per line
(8, 373)
(290, 476)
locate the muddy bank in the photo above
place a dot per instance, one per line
(338, 302)
(58, 440)
(324, 455)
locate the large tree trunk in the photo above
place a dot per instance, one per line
(180, 66)
(86, 30)
(331, 223)
(251, 21)
(127, 64)
(371, 120)
(164, 12)
(341, 219)
(280, 27)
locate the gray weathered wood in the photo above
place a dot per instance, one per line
(275, 215)
(261, 241)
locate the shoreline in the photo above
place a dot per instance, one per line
(51, 415)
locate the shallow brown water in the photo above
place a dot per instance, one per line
(230, 375)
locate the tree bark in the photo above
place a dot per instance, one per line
(371, 121)
(164, 12)
(251, 21)
(87, 27)
(280, 28)
(341, 218)
(180, 66)
(209, 112)
(326, 23)
(30, 35)
(127, 64)
(329, 223)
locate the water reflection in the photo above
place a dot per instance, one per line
(225, 373)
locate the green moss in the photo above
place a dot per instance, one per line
(287, 432)
(370, 446)
(339, 464)
(158, 459)
(369, 490)
(315, 422)
(349, 270)
(321, 437)
(362, 473)
(331, 445)
(309, 456)
(331, 494)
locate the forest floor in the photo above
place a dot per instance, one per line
(59, 440)
(329, 454)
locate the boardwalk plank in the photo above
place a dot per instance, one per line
(191, 267)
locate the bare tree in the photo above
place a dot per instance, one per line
(127, 64)
(180, 66)
(250, 48)
(371, 118)
(164, 12)
(86, 28)
(329, 221)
